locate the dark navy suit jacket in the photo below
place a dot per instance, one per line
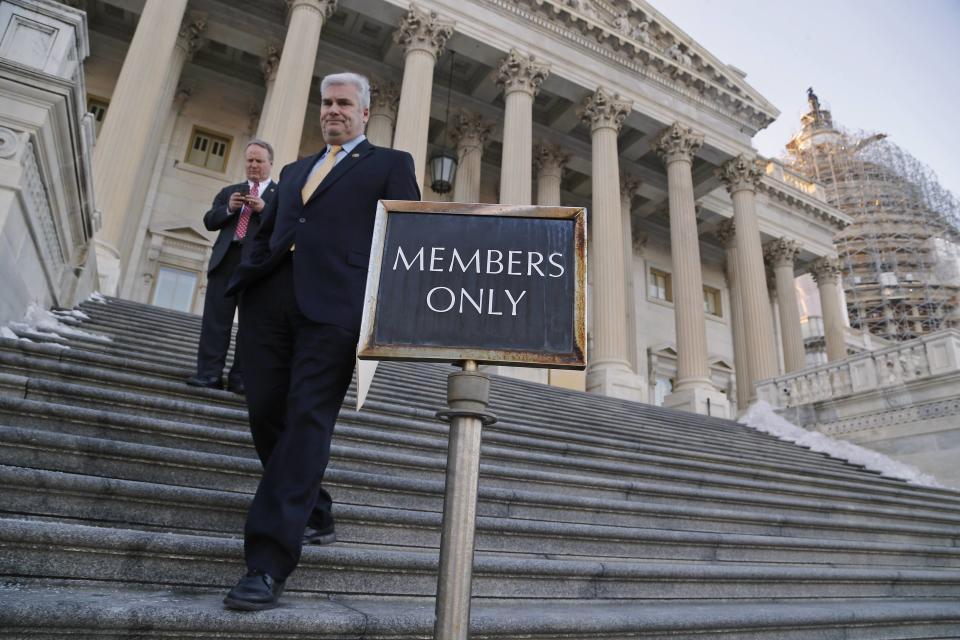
(332, 231)
(220, 219)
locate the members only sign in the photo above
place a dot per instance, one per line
(491, 283)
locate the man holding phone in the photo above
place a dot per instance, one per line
(236, 215)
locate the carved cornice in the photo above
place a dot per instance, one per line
(550, 159)
(637, 40)
(726, 232)
(421, 30)
(677, 142)
(384, 98)
(471, 130)
(190, 38)
(781, 252)
(605, 110)
(517, 72)
(270, 61)
(742, 172)
(824, 270)
(801, 203)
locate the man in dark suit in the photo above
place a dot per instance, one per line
(236, 215)
(302, 296)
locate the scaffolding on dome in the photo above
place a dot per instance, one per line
(900, 257)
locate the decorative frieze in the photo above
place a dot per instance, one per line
(423, 31)
(605, 110)
(677, 142)
(518, 72)
(742, 172)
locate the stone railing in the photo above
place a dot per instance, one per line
(787, 176)
(887, 368)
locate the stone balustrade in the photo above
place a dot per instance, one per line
(777, 171)
(932, 355)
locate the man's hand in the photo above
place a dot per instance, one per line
(236, 201)
(255, 203)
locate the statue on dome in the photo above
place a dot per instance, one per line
(813, 100)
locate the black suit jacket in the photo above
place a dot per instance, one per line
(333, 230)
(219, 218)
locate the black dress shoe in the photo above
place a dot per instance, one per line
(255, 591)
(208, 382)
(325, 535)
(236, 386)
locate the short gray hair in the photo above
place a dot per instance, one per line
(355, 79)
(257, 142)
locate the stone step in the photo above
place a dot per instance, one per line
(105, 502)
(97, 611)
(156, 559)
(363, 484)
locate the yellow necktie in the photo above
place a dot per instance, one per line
(314, 180)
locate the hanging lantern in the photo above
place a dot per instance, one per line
(443, 170)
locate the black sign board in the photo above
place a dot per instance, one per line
(491, 283)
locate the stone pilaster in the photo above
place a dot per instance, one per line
(609, 370)
(138, 102)
(741, 175)
(825, 272)
(629, 186)
(521, 77)
(384, 98)
(423, 35)
(726, 232)
(548, 162)
(469, 134)
(693, 390)
(781, 254)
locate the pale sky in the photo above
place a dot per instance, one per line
(891, 66)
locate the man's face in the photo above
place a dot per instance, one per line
(341, 116)
(257, 163)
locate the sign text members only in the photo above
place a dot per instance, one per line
(455, 280)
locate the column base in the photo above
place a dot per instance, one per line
(706, 401)
(616, 381)
(108, 269)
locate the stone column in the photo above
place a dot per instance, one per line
(726, 232)
(741, 176)
(140, 99)
(423, 35)
(549, 161)
(782, 254)
(693, 390)
(281, 122)
(384, 97)
(469, 135)
(521, 77)
(609, 370)
(629, 186)
(825, 272)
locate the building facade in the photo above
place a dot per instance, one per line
(694, 241)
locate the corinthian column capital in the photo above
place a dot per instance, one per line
(825, 270)
(727, 233)
(270, 60)
(629, 185)
(550, 159)
(605, 110)
(325, 8)
(677, 142)
(781, 252)
(384, 97)
(742, 172)
(422, 30)
(518, 72)
(471, 130)
(190, 38)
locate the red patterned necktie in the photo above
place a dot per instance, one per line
(244, 220)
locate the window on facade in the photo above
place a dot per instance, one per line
(711, 301)
(175, 289)
(660, 285)
(209, 150)
(98, 107)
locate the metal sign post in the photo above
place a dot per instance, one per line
(468, 394)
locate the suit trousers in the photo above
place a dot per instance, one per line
(217, 323)
(297, 373)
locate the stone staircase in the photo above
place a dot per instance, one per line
(124, 495)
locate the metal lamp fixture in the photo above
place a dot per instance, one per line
(443, 164)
